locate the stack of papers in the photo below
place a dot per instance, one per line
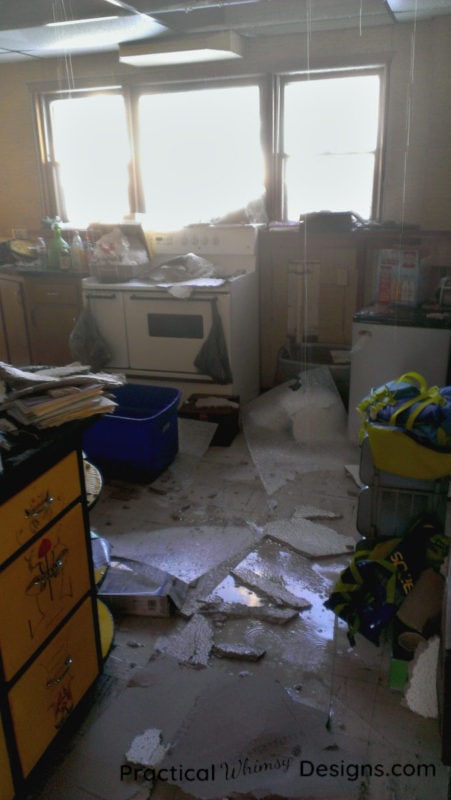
(46, 398)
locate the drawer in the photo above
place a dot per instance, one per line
(54, 294)
(6, 783)
(41, 586)
(47, 693)
(24, 514)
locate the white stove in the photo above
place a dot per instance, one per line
(198, 334)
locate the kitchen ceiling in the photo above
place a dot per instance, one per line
(28, 29)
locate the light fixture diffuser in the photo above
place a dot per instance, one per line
(182, 50)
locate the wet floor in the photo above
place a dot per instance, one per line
(204, 521)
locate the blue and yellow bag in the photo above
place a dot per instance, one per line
(382, 572)
(409, 427)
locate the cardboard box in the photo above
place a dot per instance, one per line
(222, 410)
(404, 276)
(141, 590)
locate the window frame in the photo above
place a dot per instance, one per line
(320, 74)
(271, 92)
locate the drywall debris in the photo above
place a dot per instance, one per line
(223, 611)
(269, 587)
(421, 691)
(321, 416)
(353, 471)
(147, 749)
(309, 538)
(241, 652)
(312, 512)
(191, 646)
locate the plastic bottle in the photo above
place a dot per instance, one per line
(78, 254)
(58, 254)
(41, 250)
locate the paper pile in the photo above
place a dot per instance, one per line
(46, 398)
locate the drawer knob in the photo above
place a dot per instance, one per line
(55, 681)
(34, 513)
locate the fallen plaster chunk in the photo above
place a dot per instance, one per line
(353, 470)
(312, 512)
(222, 611)
(147, 749)
(241, 652)
(270, 588)
(309, 538)
(190, 646)
(421, 691)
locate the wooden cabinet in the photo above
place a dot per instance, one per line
(53, 303)
(14, 343)
(311, 285)
(308, 292)
(50, 646)
(37, 314)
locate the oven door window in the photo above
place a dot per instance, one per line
(165, 334)
(176, 326)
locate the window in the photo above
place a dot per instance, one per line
(331, 143)
(196, 153)
(200, 153)
(91, 148)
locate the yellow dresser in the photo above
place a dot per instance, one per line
(6, 781)
(50, 648)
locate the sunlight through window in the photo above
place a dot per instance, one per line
(330, 142)
(200, 154)
(92, 149)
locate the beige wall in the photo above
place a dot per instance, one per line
(417, 171)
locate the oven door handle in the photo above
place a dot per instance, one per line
(142, 297)
(109, 296)
(165, 299)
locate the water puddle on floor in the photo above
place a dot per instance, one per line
(229, 591)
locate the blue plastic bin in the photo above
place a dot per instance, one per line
(140, 439)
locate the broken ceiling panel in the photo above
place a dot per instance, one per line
(309, 538)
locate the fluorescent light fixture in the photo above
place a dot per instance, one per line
(182, 50)
(78, 21)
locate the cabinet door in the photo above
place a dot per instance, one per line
(14, 322)
(44, 697)
(53, 306)
(6, 783)
(26, 513)
(308, 292)
(107, 308)
(42, 585)
(277, 253)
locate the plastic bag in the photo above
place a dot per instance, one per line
(86, 343)
(213, 359)
(187, 267)
(112, 247)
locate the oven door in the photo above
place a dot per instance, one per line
(165, 334)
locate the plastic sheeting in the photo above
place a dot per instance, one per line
(308, 411)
